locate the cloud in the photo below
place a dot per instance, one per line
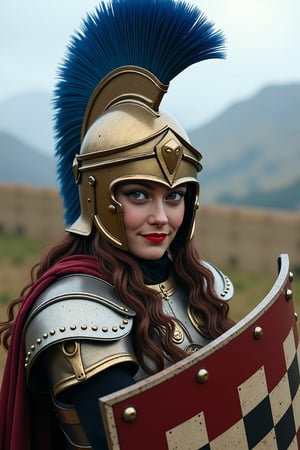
(262, 39)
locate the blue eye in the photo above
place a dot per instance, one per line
(136, 195)
(175, 196)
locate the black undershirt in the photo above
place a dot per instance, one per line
(85, 395)
(155, 271)
(85, 399)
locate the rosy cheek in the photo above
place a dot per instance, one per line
(178, 219)
(130, 218)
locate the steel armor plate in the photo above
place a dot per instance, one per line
(239, 392)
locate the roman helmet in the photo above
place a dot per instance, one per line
(108, 121)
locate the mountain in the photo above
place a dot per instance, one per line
(252, 146)
(28, 116)
(251, 152)
(23, 164)
(286, 198)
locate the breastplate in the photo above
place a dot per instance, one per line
(187, 335)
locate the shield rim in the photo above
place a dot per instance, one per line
(108, 402)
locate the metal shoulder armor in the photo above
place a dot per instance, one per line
(223, 286)
(76, 328)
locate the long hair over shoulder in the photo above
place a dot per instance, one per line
(153, 328)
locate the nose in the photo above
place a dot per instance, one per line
(158, 215)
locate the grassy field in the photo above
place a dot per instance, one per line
(18, 254)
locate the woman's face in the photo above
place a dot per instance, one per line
(152, 214)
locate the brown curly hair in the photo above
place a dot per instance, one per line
(153, 328)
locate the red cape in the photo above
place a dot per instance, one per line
(26, 421)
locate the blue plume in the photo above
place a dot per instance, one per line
(162, 36)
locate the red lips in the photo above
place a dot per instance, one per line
(155, 237)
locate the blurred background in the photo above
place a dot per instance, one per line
(242, 113)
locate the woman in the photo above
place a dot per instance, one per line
(125, 294)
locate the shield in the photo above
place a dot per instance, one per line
(240, 391)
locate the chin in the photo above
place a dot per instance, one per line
(150, 254)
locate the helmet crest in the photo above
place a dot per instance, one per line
(162, 36)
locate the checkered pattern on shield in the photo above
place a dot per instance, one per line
(241, 391)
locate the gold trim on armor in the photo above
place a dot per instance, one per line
(196, 322)
(72, 352)
(93, 370)
(125, 82)
(70, 423)
(178, 336)
(67, 414)
(166, 288)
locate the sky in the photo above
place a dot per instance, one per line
(263, 48)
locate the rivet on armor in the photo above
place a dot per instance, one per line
(25, 365)
(32, 347)
(29, 353)
(92, 181)
(258, 332)
(126, 310)
(223, 294)
(289, 294)
(191, 349)
(72, 327)
(62, 329)
(112, 209)
(202, 376)
(26, 360)
(94, 328)
(115, 329)
(296, 316)
(84, 327)
(129, 414)
(122, 327)
(291, 276)
(104, 329)
(39, 340)
(45, 335)
(52, 332)
(125, 321)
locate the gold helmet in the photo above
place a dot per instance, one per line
(119, 132)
